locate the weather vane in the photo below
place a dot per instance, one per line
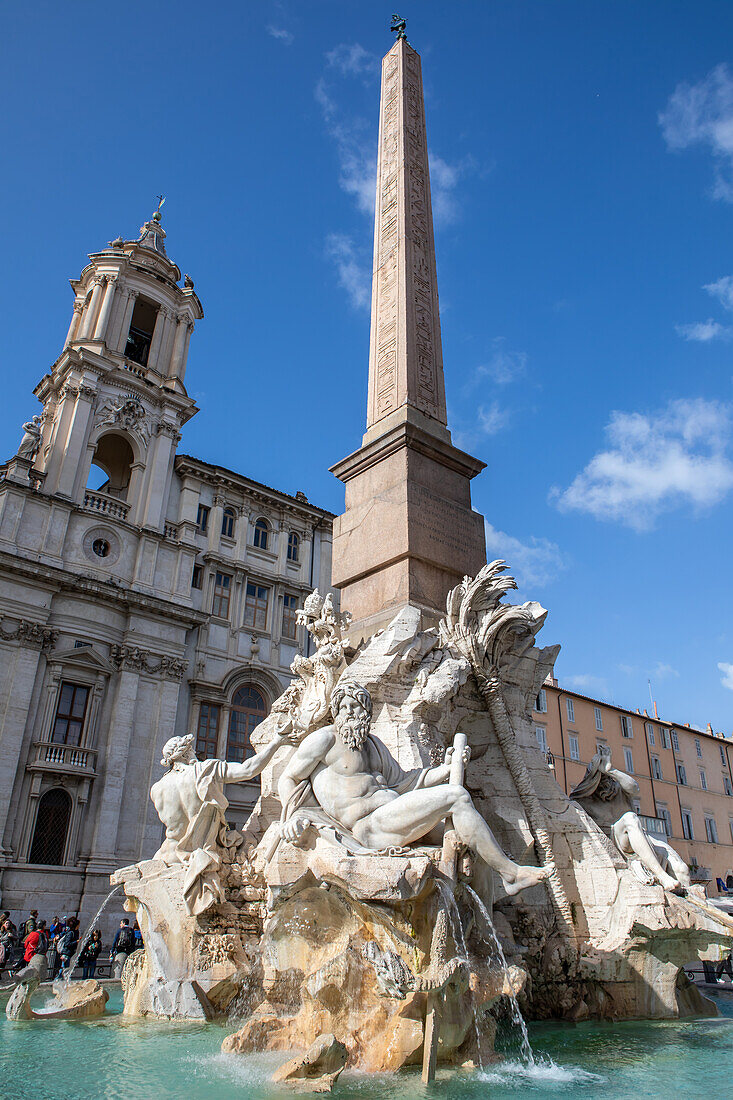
(399, 26)
(161, 203)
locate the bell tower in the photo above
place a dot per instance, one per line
(115, 400)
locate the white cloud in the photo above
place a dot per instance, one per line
(488, 420)
(353, 60)
(281, 34)
(722, 289)
(353, 273)
(534, 563)
(702, 114)
(704, 331)
(727, 678)
(588, 685)
(661, 671)
(444, 179)
(504, 366)
(655, 462)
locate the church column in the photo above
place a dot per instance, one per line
(155, 343)
(76, 439)
(76, 318)
(87, 325)
(161, 453)
(100, 330)
(168, 333)
(178, 346)
(18, 671)
(121, 340)
(184, 358)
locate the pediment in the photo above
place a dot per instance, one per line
(83, 656)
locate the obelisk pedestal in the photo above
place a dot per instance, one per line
(408, 533)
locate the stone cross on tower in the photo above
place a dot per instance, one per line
(408, 533)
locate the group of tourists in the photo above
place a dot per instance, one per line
(59, 942)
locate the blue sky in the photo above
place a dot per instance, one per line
(582, 163)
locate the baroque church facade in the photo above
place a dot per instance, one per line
(143, 593)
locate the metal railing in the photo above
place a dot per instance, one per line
(105, 505)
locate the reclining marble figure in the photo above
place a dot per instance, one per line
(605, 792)
(191, 803)
(343, 779)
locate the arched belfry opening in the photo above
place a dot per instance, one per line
(111, 466)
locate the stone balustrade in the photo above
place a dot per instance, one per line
(55, 756)
(105, 505)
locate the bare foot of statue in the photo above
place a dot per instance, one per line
(525, 877)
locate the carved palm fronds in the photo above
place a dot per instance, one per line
(492, 636)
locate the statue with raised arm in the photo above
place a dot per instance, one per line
(191, 803)
(606, 794)
(31, 441)
(343, 780)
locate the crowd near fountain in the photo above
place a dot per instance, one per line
(412, 881)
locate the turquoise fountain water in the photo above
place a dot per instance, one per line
(121, 1059)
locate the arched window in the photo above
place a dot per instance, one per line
(248, 710)
(52, 823)
(262, 533)
(111, 466)
(227, 523)
(293, 546)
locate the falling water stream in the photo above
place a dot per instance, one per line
(527, 1053)
(454, 916)
(62, 986)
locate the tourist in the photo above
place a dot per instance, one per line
(67, 943)
(30, 924)
(90, 953)
(5, 919)
(8, 943)
(36, 942)
(138, 936)
(122, 945)
(56, 928)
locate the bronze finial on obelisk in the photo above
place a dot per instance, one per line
(408, 533)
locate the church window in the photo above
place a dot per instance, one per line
(207, 732)
(71, 707)
(100, 548)
(197, 577)
(52, 825)
(227, 523)
(261, 533)
(220, 603)
(140, 336)
(290, 626)
(293, 546)
(247, 711)
(255, 606)
(202, 518)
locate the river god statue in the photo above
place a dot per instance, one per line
(343, 780)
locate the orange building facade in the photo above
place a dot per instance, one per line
(684, 774)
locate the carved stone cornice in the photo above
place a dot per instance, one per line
(163, 428)
(134, 659)
(30, 635)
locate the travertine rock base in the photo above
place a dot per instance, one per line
(83, 999)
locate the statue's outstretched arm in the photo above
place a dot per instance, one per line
(627, 783)
(240, 773)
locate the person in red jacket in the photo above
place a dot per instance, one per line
(36, 942)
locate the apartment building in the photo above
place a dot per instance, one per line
(684, 774)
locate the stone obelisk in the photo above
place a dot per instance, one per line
(408, 533)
